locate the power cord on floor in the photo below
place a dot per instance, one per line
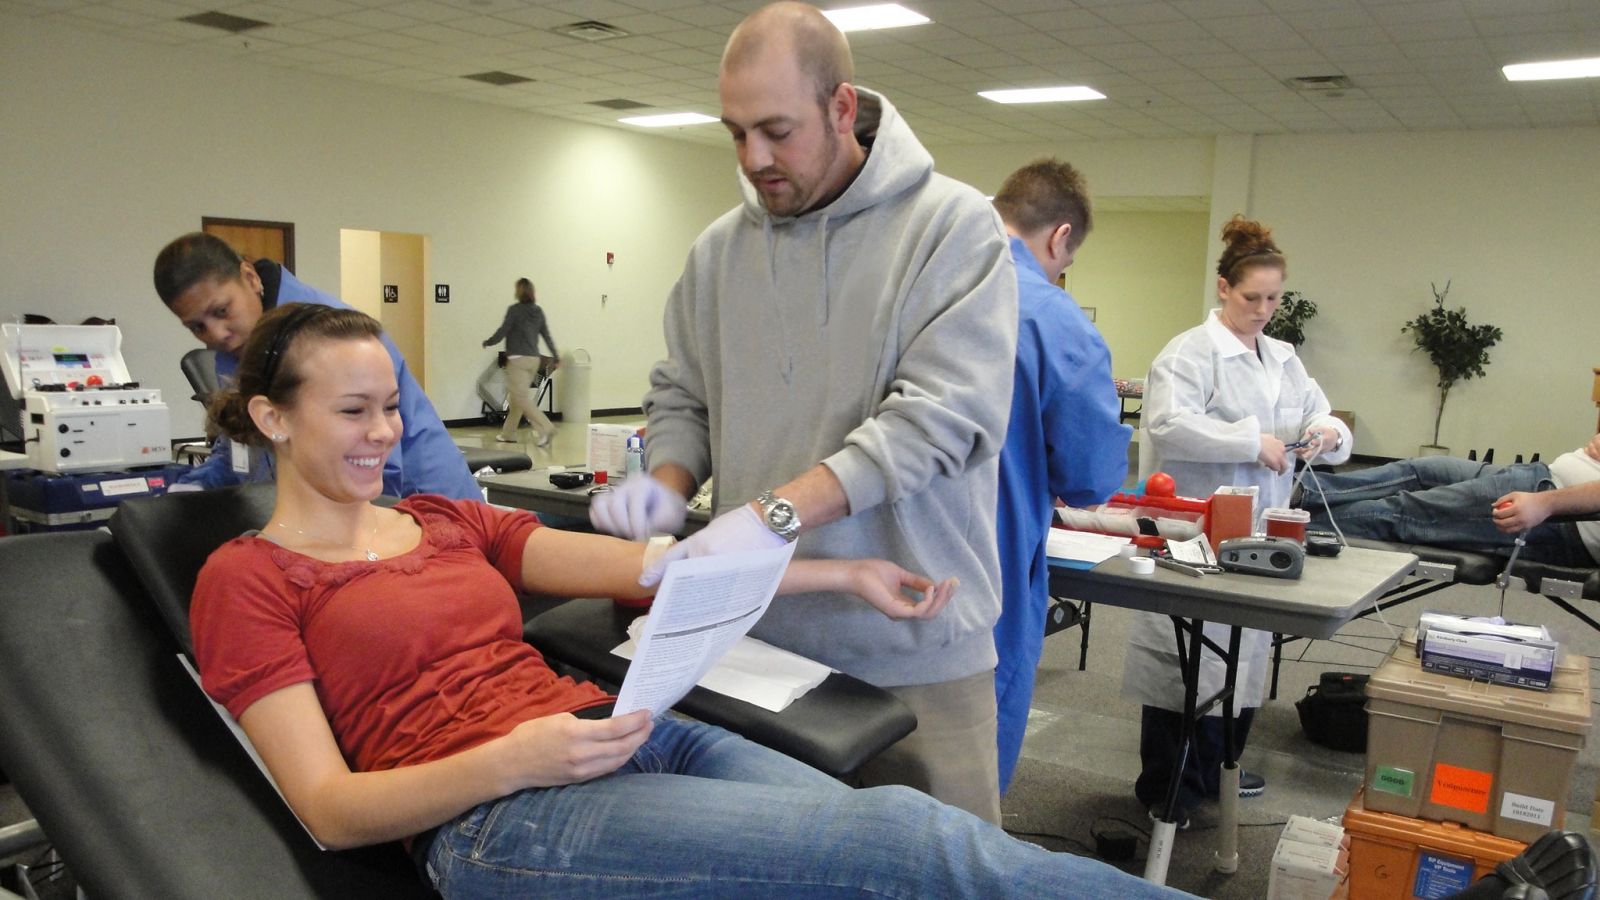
(1084, 849)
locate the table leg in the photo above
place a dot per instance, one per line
(1165, 830)
(1228, 784)
(1086, 609)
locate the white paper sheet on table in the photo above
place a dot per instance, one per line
(1083, 546)
(753, 671)
(703, 607)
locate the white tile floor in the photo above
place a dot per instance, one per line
(569, 447)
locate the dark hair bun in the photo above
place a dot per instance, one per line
(228, 415)
(1249, 243)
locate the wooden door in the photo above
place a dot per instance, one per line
(255, 239)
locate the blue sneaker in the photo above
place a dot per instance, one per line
(1251, 784)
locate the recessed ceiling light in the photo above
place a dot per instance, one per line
(867, 18)
(1043, 95)
(667, 120)
(1547, 71)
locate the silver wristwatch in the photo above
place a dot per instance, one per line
(779, 515)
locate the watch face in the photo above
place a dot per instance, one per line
(780, 516)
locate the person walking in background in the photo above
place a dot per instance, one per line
(521, 329)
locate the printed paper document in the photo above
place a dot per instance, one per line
(704, 605)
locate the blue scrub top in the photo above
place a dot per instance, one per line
(425, 462)
(1066, 439)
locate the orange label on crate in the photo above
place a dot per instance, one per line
(1466, 789)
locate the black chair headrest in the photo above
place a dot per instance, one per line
(200, 367)
(168, 538)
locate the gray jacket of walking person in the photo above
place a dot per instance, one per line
(524, 324)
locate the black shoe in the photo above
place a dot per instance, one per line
(1560, 865)
(1180, 814)
(1251, 784)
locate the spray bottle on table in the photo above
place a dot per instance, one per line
(635, 456)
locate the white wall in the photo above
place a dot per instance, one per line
(1510, 218)
(1153, 168)
(112, 148)
(1137, 269)
(1367, 221)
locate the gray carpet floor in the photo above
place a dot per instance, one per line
(1080, 756)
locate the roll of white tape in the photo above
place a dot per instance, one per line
(1128, 551)
(1142, 565)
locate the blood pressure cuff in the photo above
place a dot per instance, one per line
(1333, 712)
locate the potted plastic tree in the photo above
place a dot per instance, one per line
(1289, 322)
(1457, 349)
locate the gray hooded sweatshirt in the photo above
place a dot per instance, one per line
(875, 335)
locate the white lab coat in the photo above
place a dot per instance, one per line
(1207, 401)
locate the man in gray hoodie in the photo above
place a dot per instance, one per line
(840, 353)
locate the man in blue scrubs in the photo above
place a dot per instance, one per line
(219, 297)
(1066, 438)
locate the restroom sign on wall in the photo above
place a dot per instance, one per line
(441, 293)
(391, 293)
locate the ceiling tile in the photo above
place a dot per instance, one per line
(1171, 67)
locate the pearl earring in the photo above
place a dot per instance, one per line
(279, 437)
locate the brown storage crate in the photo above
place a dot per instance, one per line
(1395, 857)
(1492, 757)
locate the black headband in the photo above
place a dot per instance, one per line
(293, 321)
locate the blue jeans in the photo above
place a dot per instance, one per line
(699, 812)
(1441, 501)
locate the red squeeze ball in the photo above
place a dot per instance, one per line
(1160, 484)
(1502, 504)
(95, 381)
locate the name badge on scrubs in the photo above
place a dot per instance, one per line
(239, 455)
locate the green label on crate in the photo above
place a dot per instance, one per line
(1391, 780)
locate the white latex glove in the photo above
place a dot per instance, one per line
(638, 508)
(732, 532)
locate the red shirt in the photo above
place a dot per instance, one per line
(413, 658)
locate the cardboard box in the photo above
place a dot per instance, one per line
(1231, 513)
(1495, 758)
(1310, 862)
(1527, 663)
(608, 449)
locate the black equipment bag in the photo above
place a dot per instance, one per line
(1333, 712)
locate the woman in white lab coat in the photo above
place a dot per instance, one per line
(1220, 402)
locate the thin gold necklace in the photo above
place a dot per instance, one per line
(371, 554)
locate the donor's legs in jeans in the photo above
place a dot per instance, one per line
(699, 812)
(1441, 501)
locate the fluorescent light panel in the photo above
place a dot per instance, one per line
(668, 120)
(1548, 71)
(867, 18)
(1043, 95)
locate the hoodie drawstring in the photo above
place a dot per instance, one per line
(784, 360)
(822, 248)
